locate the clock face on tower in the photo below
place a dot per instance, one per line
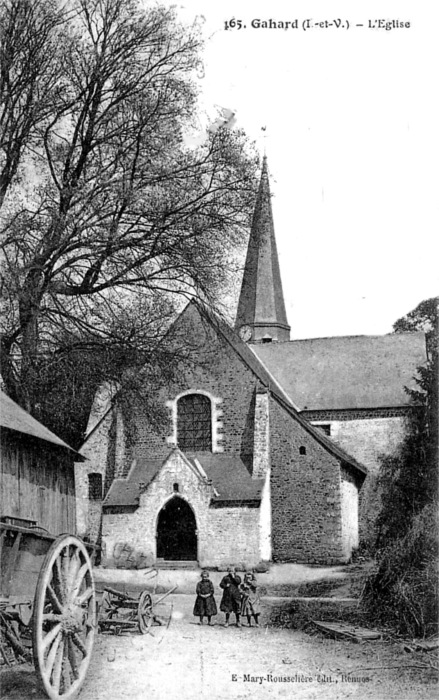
(245, 333)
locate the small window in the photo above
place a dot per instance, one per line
(95, 487)
(325, 428)
(176, 488)
(302, 450)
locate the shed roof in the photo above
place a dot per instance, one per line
(13, 417)
(346, 372)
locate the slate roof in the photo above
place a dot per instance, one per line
(13, 417)
(229, 476)
(346, 372)
(261, 300)
(125, 492)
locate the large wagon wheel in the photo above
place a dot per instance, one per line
(145, 615)
(64, 618)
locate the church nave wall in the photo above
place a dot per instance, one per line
(305, 494)
(367, 436)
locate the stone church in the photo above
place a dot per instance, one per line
(267, 444)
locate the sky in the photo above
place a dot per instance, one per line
(351, 116)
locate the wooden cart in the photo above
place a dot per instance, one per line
(47, 605)
(47, 595)
(120, 612)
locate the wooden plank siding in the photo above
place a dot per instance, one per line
(37, 482)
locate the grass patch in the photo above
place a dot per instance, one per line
(299, 615)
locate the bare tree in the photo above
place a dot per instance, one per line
(117, 213)
(30, 34)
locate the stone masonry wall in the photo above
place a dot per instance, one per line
(367, 438)
(232, 533)
(95, 449)
(225, 535)
(219, 372)
(261, 455)
(306, 495)
(233, 538)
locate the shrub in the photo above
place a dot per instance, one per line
(403, 591)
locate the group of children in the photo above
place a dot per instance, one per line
(239, 597)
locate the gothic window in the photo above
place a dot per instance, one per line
(194, 423)
(95, 487)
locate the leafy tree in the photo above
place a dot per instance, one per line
(409, 479)
(403, 589)
(422, 318)
(106, 213)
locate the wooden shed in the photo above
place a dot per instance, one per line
(37, 478)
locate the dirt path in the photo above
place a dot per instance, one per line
(188, 661)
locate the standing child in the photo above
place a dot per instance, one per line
(205, 602)
(231, 600)
(250, 604)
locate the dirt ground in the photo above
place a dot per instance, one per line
(185, 660)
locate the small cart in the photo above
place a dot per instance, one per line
(120, 612)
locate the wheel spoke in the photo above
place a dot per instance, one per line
(61, 584)
(79, 643)
(52, 656)
(58, 668)
(51, 617)
(72, 658)
(54, 599)
(66, 565)
(66, 676)
(50, 636)
(84, 597)
(81, 573)
(74, 568)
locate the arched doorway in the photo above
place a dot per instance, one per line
(177, 531)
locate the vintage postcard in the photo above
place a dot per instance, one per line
(219, 388)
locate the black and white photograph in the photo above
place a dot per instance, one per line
(219, 350)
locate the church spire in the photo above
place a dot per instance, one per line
(261, 312)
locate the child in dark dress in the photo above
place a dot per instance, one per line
(231, 600)
(205, 602)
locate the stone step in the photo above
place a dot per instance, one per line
(166, 564)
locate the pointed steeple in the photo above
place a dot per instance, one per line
(261, 312)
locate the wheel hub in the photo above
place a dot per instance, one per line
(72, 619)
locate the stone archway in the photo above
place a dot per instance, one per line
(177, 531)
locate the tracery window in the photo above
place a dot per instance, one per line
(194, 423)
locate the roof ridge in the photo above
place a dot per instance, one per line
(341, 337)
